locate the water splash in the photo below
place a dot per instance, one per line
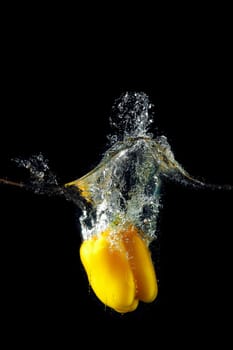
(43, 181)
(41, 177)
(125, 187)
(131, 116)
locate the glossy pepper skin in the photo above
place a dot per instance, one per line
(119, 268)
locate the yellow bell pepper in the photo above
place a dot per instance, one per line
(119, 268)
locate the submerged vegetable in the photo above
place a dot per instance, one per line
(120, 269)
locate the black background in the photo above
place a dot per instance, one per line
(57, 89)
